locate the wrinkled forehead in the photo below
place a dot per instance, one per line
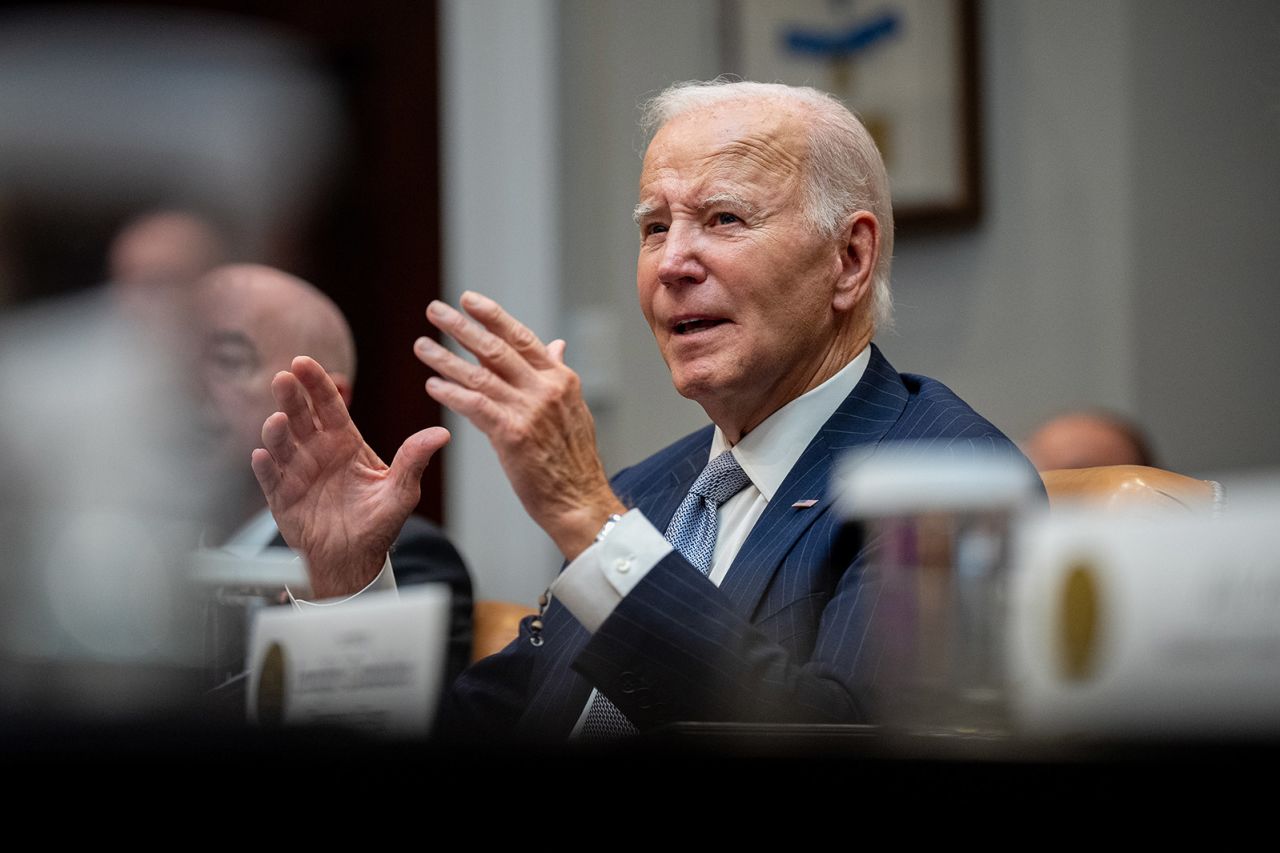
(761, 143)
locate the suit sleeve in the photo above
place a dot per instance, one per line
(674, 648)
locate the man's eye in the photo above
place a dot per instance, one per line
(654, 228)
(229, 363)
(726, 219)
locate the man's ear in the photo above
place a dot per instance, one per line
(344, 386)
(859, 253)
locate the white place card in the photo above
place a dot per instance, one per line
(1139, 627)
(375, 663)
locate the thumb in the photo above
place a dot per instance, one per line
(412, 457)
(555, 349)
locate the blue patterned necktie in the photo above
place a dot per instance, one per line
(692, 532)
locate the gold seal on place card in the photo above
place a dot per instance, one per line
(1079, 621)
(271, 687)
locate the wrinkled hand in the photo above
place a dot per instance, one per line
(529, 403)
(333, 499)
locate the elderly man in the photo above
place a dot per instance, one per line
(254, 319)
(708, 582)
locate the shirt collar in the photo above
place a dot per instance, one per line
(771, 450)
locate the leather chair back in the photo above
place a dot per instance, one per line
(1133, 487)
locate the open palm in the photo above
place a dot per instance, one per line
(333, 499)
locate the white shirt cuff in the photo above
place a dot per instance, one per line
(384, 582)
(594, 583)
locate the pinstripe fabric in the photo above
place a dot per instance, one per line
(693, 533)
(785, 637)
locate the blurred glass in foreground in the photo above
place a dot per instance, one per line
(939, 526)
(143, 146)
(101, 499)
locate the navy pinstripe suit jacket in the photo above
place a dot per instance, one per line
(785, 636)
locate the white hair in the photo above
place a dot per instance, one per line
(844, 172)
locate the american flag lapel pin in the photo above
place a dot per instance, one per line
(804, 504)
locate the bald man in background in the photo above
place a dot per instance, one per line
(1088, 439)
(253, 320)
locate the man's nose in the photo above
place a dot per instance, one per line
(681, 259)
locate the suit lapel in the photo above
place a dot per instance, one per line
(658, 485)
(865, 416)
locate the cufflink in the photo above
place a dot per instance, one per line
(609, 524)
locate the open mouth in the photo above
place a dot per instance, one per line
(697, 324)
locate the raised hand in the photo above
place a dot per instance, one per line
(529, 403)
(333, 499)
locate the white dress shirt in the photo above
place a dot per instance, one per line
(594, 583)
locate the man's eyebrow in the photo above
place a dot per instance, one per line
(643, 210)
(732, 199)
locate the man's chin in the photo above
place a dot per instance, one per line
(702, 387)
(688, 387)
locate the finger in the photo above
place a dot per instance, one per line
(292, 400)
(277, 438)
(516, 334)
(556, 349)
(331, 413)
(412, 457)
(484, 413)
(266, 471)
(491, 350)
(474, 376)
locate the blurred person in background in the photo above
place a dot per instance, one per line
(1088, 439)
(253, 320)
(153, 261)
(164, 248)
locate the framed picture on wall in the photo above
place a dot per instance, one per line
(908, 68)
